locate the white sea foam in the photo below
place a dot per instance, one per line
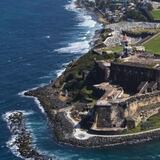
(83, 38)
(48, 36)
(66, 64)
(83, 17)
(22, 94)
(75, 47)
(39, 104)
(29, 128)
(86, 21)
(11, 142)
(45, 77)
(57, 72)
(71, 6)
(8, 114)
(13, 147)
(60, 71)
(81, 44)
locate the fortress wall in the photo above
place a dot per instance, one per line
(115, 114)
(95, 76)
(109, 116)
(101, 72)
(103, 117)
(134, 105)
(139, 103)
(130, 77)
(100, 141)
(144, 99)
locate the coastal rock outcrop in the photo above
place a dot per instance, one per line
(21, 138)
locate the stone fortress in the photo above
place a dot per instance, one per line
(130, 88)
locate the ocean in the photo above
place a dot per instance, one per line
(37, 40)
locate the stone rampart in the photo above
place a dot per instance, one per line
(136, 104)
(130, 76)
(97, 141)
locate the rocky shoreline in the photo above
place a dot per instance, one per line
(64, 129)
(22, 140)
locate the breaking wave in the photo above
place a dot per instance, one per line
(22, 94)
(11, 143)
(75, 47)
(83, 17)
(81, 44)
(59, 72)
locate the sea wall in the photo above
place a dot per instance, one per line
(129, 76)
(100, 141)
(22, 141)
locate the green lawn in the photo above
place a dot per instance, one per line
(116, 49)
(153, 45)
(152, 123)
(156, 14)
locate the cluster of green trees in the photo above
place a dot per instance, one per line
(136, 14)
(142, 12)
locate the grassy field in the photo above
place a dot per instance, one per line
(116, 49)
(152, 123)
(156, 14)
(153, 45)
